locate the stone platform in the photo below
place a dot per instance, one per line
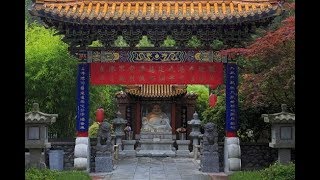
(167, 168)
(156, 145)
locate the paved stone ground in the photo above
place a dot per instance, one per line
(155, 168)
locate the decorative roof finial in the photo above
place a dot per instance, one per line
(284, 108)
(35, 107)
(195, 115)
(118, 114)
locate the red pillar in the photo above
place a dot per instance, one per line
(138, 118)
(173, 117)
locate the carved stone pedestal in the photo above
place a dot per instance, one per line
(156, 144)
(82, 154)
(103, 164)
(232, 155)
(183, 148)
(128, 148)
(103, 159)
(209, 160)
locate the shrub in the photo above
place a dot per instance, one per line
(279, 171)
(93, 130)
(275, 171)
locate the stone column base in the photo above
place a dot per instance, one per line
(183, 148)
(196, 149)
(103, 164)
(35, 158)
(209, 162)
(232, 154)
(284, 155)
(127, 153)
(82, 154)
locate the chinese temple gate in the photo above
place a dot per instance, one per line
(84, 21)
(134, 103)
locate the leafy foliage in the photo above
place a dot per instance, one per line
(275, 171)
(203, 96)
(266, 77)
(103, 96)
(279, 171)
(50, 77)
(216, 115)
(266, 44)
(270, 81)
(93, 130)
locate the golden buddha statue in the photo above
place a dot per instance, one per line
(156, 121)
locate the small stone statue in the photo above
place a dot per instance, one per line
(210, 135)
(103, 159)
(209, 160)
(104, 138)
(156, 121)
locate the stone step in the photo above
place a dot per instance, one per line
(156, 153)
(218, 176)
(156, 141)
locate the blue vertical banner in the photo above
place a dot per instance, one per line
(83, 97)
(232, 124)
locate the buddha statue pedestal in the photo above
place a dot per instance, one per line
(156, 144)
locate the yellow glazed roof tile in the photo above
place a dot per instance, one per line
(156, 90)
(72, 10)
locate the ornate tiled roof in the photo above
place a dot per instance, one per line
(35, 116)
(156, 90)
(107, 12)
(283, 117)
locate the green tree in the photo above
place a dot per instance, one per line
(266, 75)
(104, 96)
(216, 115)
(203, 96)
(50, 77)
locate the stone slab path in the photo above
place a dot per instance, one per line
(155, 168)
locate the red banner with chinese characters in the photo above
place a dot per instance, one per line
(157, 73)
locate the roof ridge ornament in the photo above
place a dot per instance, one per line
(284, 108)
(35, 107)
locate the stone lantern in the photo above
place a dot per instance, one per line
(282, 133)
(36, 134)
(119, 124)
(195, 124)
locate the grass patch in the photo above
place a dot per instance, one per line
(246, 175)
(47, 174)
